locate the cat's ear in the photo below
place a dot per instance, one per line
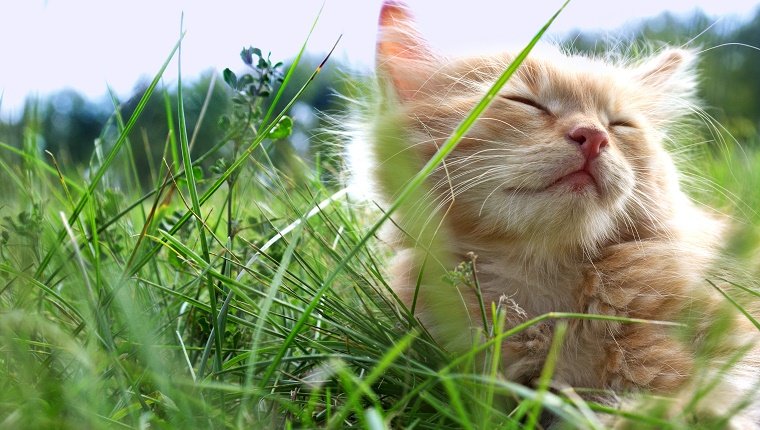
(403, 57)
(671, 73)
(669, 83)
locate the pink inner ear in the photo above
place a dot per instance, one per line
(397, 36)
(391, 11)
(665, 66)
(401, 51)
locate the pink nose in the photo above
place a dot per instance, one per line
(590, 139)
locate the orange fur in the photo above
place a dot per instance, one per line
(617, 237)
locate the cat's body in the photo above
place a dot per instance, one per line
(565, 194)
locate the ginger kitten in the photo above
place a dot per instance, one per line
(565, 194)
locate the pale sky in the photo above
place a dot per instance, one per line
(86, 45)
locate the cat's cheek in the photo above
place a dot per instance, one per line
(616, 182)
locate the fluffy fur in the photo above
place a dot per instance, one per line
(565, 194)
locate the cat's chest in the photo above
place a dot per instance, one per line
(537, 289)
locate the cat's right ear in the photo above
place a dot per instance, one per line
(404, 60)
(670, 72)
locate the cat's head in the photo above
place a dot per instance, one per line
(570, 152)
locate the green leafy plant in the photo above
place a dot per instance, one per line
(251, 88)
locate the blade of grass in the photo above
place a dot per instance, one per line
(176, 162)
(385, 361)
(40, 163)
(456, 402)
(550, 400)
(292, 226)
(196, 205)
(65, 305)
(131, 166)
(546, 374)
(291, 70)
(736, 305)
(374, 419)
(202, 113)
(262, 317)
(240, 289)
(651, 422)
(499, 322)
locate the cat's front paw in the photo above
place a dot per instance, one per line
(607, 293)
(646, 356)
(524, 353)
(598, 296)
(534, 341)
(645, 280)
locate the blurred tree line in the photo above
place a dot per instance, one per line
(74, 130)
(71, 128)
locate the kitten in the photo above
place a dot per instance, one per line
(564, 192)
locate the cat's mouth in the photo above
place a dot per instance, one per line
(577, 181)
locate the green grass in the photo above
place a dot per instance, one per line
(728, 179)
(242, 299)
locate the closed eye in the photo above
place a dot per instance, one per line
(529, 102)
(622, 123)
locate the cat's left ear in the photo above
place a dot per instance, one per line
(670, 73)
(403, 58)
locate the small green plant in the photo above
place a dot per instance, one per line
(251, 89)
